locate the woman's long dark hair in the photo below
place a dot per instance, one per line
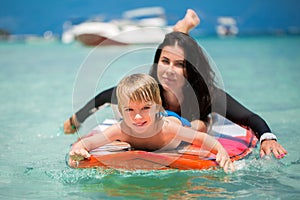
(200, 76)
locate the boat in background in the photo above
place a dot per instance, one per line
(227, 26)
(138, 26)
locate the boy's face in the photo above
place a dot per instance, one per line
(139, 115)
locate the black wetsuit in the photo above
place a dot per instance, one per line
(234, 111)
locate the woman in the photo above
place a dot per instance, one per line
(188, 88)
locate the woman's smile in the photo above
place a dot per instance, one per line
(168, 79)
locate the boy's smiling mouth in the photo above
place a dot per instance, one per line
(140, 124)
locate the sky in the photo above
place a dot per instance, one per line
(36, 16)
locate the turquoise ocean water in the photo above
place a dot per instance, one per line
(42, 83)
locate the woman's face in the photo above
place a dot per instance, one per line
(171, 68)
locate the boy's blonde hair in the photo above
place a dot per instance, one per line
(139, 88)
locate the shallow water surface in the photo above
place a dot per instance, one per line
(42, 84)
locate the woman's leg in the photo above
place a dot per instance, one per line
(190, 21)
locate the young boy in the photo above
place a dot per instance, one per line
(146, 126)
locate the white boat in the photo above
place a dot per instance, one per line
(227, 26)
(139, 26)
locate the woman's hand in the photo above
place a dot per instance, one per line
(224, 161)
(71, 125)
(268, 146)
(199, 125)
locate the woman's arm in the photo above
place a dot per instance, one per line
(73, 123)
(239, 114)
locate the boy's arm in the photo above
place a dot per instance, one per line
(204, 141)
(80, 150)
(192, 136)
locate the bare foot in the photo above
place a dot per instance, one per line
(190, 21)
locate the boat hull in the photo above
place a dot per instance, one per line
(128, 36)
(95, 40)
